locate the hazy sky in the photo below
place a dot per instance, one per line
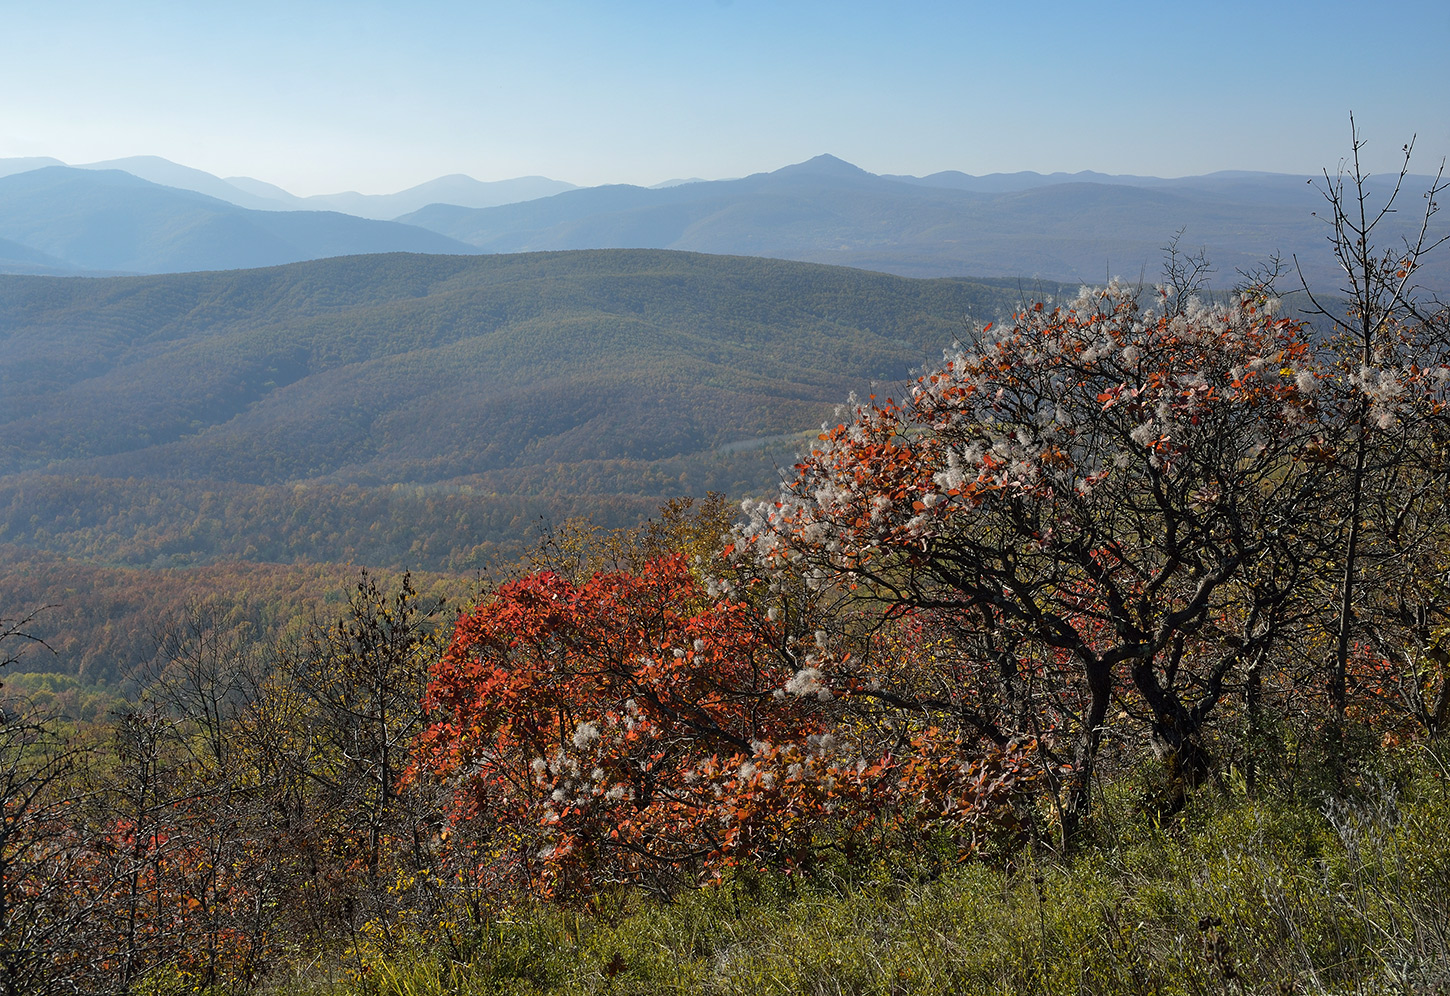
(320, 96)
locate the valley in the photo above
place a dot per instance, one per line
(433, 413)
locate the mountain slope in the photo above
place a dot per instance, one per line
(1081, 227)
(109, 220)
(257, 195)
(456, 188)
(24, 164)
(166, 173)
(17, 258)
(483, 387)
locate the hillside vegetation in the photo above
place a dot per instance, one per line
(402, 411)
(406, 410)
(1108, 654)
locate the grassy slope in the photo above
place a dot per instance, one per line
(1235, 896)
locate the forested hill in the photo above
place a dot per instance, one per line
(425, 411)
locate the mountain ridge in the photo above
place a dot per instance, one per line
(244, 191)
(1083, 227)
(112, 221)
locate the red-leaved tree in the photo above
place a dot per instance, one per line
(578, 719)
(636, 728)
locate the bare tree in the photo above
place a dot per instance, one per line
(205, 672)
(17, 631)
(1390, 419)
(46, 899)
(358, 684)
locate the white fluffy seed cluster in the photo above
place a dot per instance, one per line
(1054, 406)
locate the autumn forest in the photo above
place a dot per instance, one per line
(500, 624)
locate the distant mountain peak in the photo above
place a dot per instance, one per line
(824, 165)
(125, 161)
(24, 164)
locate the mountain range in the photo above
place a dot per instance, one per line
(144, 215)
(1082, 228)
(66, 221)
(244, 191)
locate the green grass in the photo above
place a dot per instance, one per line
(1234, 896)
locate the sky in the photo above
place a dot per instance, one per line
(319, 96)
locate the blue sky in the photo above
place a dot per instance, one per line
(327, 96)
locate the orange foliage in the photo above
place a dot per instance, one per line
(631, 728)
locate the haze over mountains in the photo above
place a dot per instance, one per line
(60, 220)
(431, 389)
(1081, 227)
(244, 191)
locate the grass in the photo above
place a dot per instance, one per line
(1235, 896)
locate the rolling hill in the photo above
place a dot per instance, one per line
(424, 411)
